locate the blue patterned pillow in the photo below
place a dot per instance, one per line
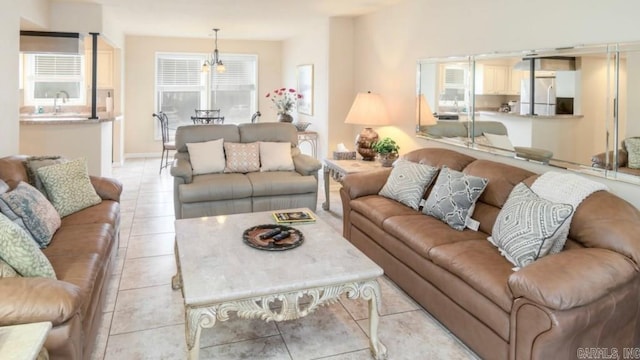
(525, 227)
(38, 216)
(69, 186)
(453, 196)
(407, 182)
(19, 251)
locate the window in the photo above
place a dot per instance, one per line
(454, 94)
(182, 87)
(54, 75)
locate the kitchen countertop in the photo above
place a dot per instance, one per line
(499, 113)
(65, 118)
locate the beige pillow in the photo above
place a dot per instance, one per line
(207, 157)
(276, 156)
(499, 141)
(242, 158)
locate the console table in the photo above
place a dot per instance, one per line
(310, 137)
(337, 169)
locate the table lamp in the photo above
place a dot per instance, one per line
(367, 109)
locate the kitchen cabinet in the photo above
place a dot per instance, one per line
(492, 80)
(105, 69)
(515, 79)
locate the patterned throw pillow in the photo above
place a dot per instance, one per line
(453, 197)
(37, 214)
(525, 227)
(69, 186)
(407, 182)
(6, 271)
(242, 158)
(19, 251)
(33, 163)
(632, 146)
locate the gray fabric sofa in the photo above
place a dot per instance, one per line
(231, 193)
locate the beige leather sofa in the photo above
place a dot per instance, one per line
(587, 296)
(230, 193)
(82, 253)
(604, 160)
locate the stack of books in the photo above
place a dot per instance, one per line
(293, 217)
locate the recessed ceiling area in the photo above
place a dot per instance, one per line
(237, 19)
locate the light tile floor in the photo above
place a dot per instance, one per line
(143, 317)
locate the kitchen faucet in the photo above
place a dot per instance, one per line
(56, 106)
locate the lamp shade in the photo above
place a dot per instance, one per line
(368, 109)
(425, 115)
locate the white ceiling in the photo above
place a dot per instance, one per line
(237, 19)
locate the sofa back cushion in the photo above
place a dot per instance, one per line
(12, 170)
(438, 157)
(270, 132)
(201, 133)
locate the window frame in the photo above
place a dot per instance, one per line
(30, 79)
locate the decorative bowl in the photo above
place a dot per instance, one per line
(302, 125)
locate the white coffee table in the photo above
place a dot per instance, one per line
(219, 274)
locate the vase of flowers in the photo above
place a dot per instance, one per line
(285, 101)
(387, 151)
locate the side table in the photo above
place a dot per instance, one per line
(24, 342)
(337, 169)
(310, 137)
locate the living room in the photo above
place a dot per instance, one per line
(377, 51)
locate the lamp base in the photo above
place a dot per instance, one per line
(364, 141)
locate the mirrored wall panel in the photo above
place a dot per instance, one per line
(570, 107)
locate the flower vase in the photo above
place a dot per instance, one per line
(284, 117)
(387, 159)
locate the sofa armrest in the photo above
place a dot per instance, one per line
(182, 168)
(365, 183)
(600, 160)
(306, 165)
(107, 188)
(28, 300)
(536, 154)
(572, 278)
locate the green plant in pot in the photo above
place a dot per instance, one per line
(387, 150)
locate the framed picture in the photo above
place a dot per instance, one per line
(304, 74)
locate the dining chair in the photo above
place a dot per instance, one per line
(167, 143)
(255, 117)
(208, 117)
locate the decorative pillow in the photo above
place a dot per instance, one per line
(499, 141)
(39, 217)
(69, 186)
(407, 182)
(3, 187)
(19, 251)
(241, 157)
(453, 196)
(525, 227)
(6, 271)
(276, 156)
(207, 157)
(632, 146)
(33, 163)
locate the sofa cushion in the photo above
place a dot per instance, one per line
(275, 156)
(37, 214)
(479, 264)
(281, 183)
(68, 186)
(81, 270)
(19, 250)
(453, 197)
(207, 157)
(213, 187)
(526, 226)
(107, 212)
(82, 239)
(242, 158)
(407, 182)
(378, 208)
(422, 233)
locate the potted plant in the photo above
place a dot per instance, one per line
(387, 151)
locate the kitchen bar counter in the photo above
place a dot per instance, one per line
(517, 115)
(64, 118)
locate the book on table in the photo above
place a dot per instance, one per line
(293, 217)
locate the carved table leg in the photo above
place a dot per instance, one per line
(325, 205)
(176, 280)
(371, 292)
(196, 320)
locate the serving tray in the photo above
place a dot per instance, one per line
(251, 237)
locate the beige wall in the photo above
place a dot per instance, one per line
(139, 84)
(389, 42)
(9, 94)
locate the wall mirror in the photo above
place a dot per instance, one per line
(563, 107)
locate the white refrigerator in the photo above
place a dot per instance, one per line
(544, 99)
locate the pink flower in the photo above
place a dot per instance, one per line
(268, 94)
(292, 90)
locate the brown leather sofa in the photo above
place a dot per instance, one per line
(557, 307)
(82, 253)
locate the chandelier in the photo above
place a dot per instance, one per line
(215, 59)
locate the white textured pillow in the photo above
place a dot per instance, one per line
(407, 182)
(207, 157)
(499, 141)
(276, 156)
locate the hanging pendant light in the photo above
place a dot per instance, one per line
(214, 61)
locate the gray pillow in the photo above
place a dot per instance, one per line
(407, 182)
(525, 227)
(632, 146)
(453, 196)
